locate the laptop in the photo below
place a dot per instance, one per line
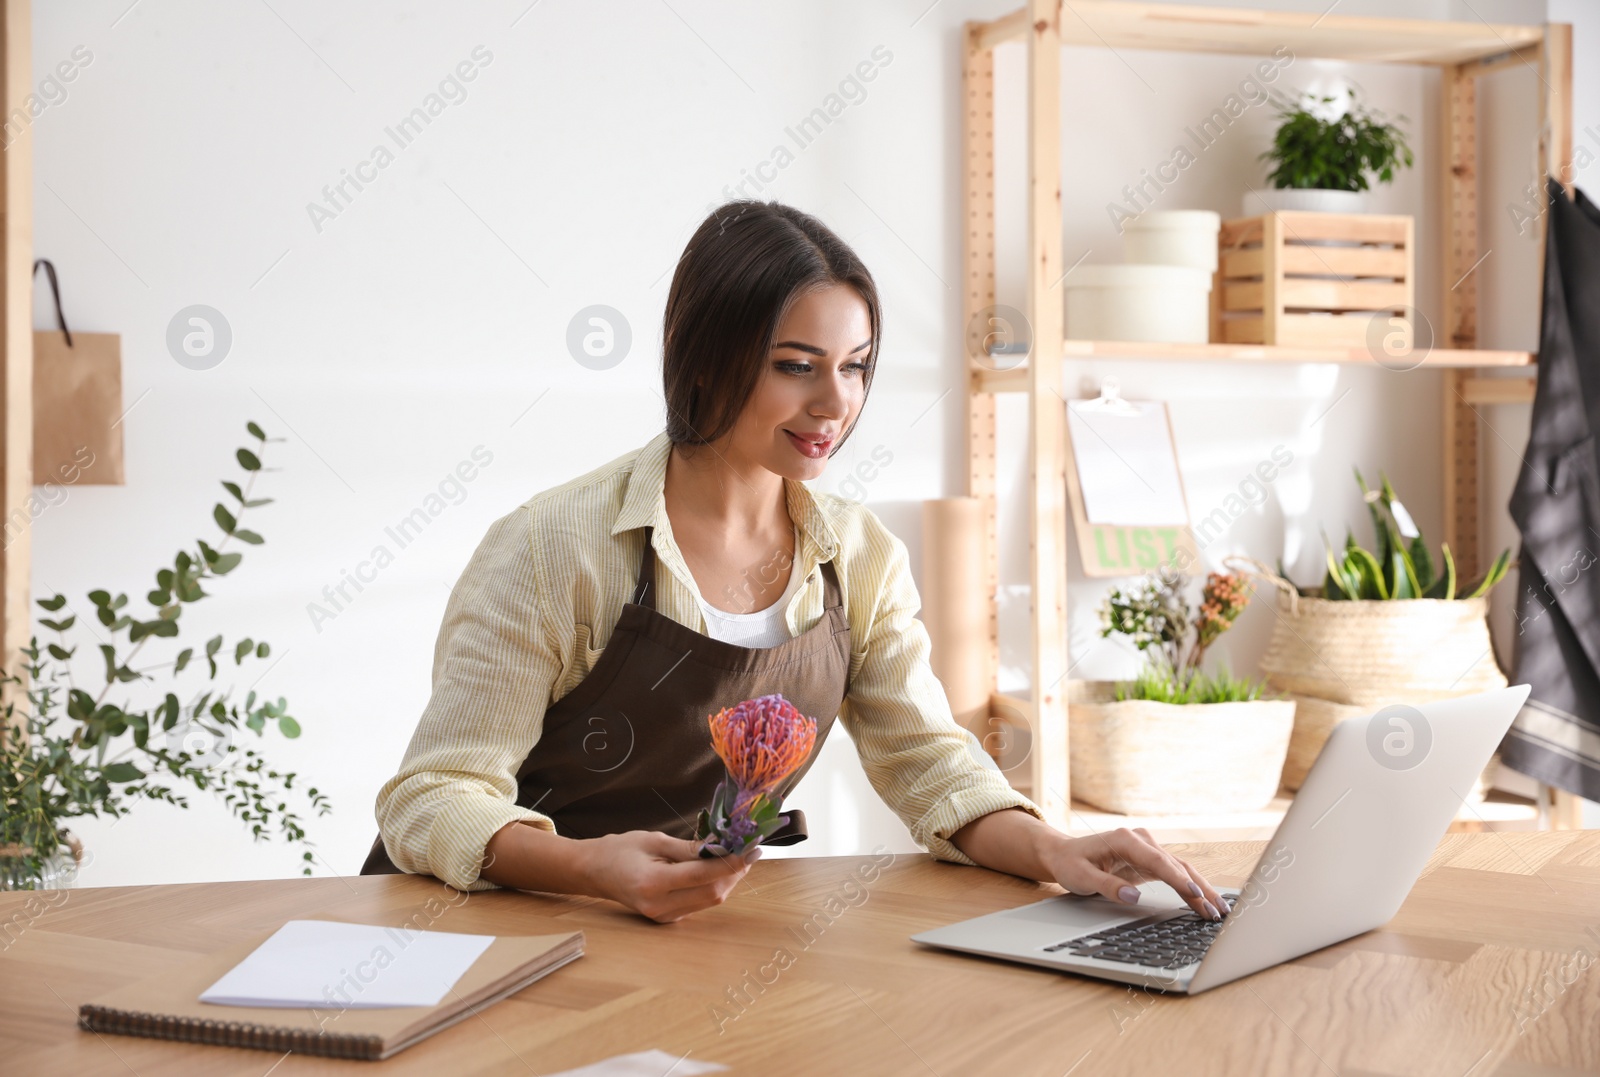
(1370, 813)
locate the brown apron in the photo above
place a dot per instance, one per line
(629, 748)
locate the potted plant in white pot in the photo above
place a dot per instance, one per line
(1176, 739)
(1324, 159)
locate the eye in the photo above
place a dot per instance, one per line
(792, 367)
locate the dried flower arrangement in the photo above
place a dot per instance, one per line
(1156, 617)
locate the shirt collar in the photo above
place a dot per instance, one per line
(643, 505)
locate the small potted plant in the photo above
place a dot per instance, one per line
(71, 748)
(1325, 158)
(1387, 625)
(1176, 739)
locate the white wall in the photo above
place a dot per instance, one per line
(429, 316)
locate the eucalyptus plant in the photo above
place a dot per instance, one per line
(1401, 566)
(91, 750)
(1338, 154)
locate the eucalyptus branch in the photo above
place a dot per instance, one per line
(46, 778)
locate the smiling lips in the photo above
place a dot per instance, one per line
(813, 445)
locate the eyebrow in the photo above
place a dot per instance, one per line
(814, 350)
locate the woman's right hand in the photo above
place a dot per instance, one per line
(663, 877)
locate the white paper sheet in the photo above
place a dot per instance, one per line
(325, 963)
(652, 1063)
(1127, 467)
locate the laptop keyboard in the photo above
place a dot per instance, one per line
(1158, 944)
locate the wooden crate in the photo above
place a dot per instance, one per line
(1318, 279)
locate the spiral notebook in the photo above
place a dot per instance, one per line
(168, 1006)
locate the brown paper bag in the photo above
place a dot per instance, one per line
(77, 402)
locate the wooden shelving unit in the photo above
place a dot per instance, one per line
(1462, 51)
(16, 337)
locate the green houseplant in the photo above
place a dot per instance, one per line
(1399, 566)
(1386, 625)
(69, 750)
(1175, 738)
(1324, 162)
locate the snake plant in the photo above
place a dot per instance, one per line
(1401, 566)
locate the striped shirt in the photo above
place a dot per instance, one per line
(536, 604)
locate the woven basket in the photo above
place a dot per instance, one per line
(1346, 659)
(1369, 653)
(1136, 756)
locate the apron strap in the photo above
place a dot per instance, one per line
(645, 593)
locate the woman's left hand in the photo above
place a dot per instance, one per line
(1110, 863)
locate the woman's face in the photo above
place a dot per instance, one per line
(812, 387)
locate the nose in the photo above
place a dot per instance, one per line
(833, 397)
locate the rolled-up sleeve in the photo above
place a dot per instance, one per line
(493, 666)
(915, 755)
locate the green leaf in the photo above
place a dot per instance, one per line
(159, 598)
(1445, 586)
(169, 711)
(226, 562)
(183, 659)
(1402, 576)
(248, 460)
(288, 726)
(1333, 584)
(233, 488)
(122, 772)
(257, 502)
(255, 431)
(53, 603)
(213, 645)
(1423, 562)
(248, 536)
(224, 519)
(262, 650)
(1489, 578)
(1372, 585)
(58, 626)
(60, 653)
(244, 647)
(99, 598)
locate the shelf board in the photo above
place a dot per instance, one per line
(1116, 24)
(1014, 379)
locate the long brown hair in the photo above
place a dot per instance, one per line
(742, 270)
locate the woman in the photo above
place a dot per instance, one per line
(565, 746)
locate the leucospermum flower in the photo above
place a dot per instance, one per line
(761, 741)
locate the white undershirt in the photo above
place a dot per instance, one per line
(763, 628)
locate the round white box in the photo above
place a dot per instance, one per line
(1139, 302)
(1181, 237)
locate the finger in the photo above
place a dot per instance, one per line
(1142, 852)
(670, 848)
(1211, 893)
(680, 903)
(706, 870)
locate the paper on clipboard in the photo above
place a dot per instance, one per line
(1126, 463)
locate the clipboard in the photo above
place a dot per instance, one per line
(1161, 534)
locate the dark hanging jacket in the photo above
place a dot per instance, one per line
(1556, 505)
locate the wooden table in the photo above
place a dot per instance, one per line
(1486, 970)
